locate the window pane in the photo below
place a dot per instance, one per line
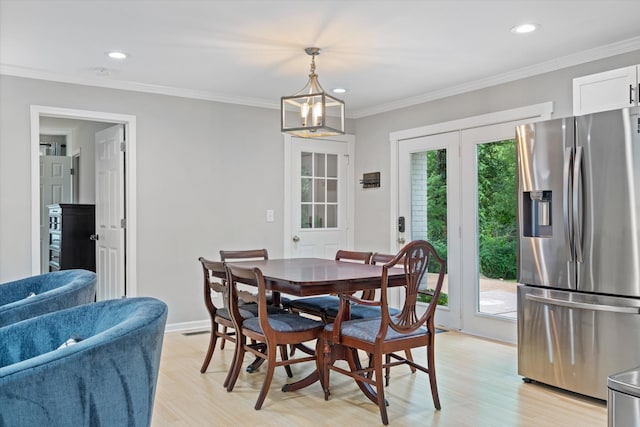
(306, 164)
(305, 190)
(332, 190)
(497, 237)
(332, 216)
(429, 207)
(305, 216)
(319, 170)
(319, 190)
(319, 220)
(332, 165)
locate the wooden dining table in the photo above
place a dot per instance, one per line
(316, 276)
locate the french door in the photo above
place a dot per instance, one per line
(429, 202)
(457, 191)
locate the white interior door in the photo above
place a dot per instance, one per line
(320, 207)
(429, 201)
(110, 213)
(55, 187)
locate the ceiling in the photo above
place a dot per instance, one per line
(387, 54)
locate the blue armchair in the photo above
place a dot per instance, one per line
(33, 296)
(107, 378)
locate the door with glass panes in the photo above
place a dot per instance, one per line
(319, 199)
(457, 191)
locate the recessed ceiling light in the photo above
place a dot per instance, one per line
(525, 28)
(339, 90)
(117, 55)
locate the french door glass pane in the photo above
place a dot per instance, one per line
(318, 190)
(429, 206)
(497, 237)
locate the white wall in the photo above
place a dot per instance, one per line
(206, 174)
(372, 133)
(208, 171)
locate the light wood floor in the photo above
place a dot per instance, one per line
(477, 381)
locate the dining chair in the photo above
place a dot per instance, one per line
(221, 322)
(276, 331)
(249, 255)
(214, 283)
(388, 334)
(326, 306)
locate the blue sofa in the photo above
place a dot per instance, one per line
(36, 295)
(107, 378)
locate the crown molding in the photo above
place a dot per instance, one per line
(595, 54)
(601, 52)
(134, 86)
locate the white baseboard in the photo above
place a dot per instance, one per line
(188, 326)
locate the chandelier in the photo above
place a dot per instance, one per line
(311, 112)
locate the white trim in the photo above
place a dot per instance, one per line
(288, 142)
(594, 54)
(199, 325)
(10, 70)
(130, 190)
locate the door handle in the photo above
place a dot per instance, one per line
(94, 237)
(296, 239)
(567, 219)
(577, 209)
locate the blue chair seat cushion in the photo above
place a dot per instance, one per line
(359, 311)
(367, 329)
(249, 310)
(318, 304)
(284, 323)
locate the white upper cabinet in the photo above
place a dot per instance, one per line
(609, 90)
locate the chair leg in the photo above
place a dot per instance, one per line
(271, 361)
(224, 331)
(232, 368)
(387, 374)
(236, 365)
(431, 366)
(324, 346)
(283, 355)
(377, 367)
(409, 357)
(212, 347)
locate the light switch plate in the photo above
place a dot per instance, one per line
(270, 215)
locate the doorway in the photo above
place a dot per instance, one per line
(44, 114)
(447, 182)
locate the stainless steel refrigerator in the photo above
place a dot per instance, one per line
(579, 250)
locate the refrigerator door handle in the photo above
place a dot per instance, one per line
(583, 305)
(566, 187)
(577, 209)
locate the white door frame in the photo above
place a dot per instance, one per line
(286, 215)
(534, 112)
(130, 182)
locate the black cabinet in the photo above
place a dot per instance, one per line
(71, 230)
